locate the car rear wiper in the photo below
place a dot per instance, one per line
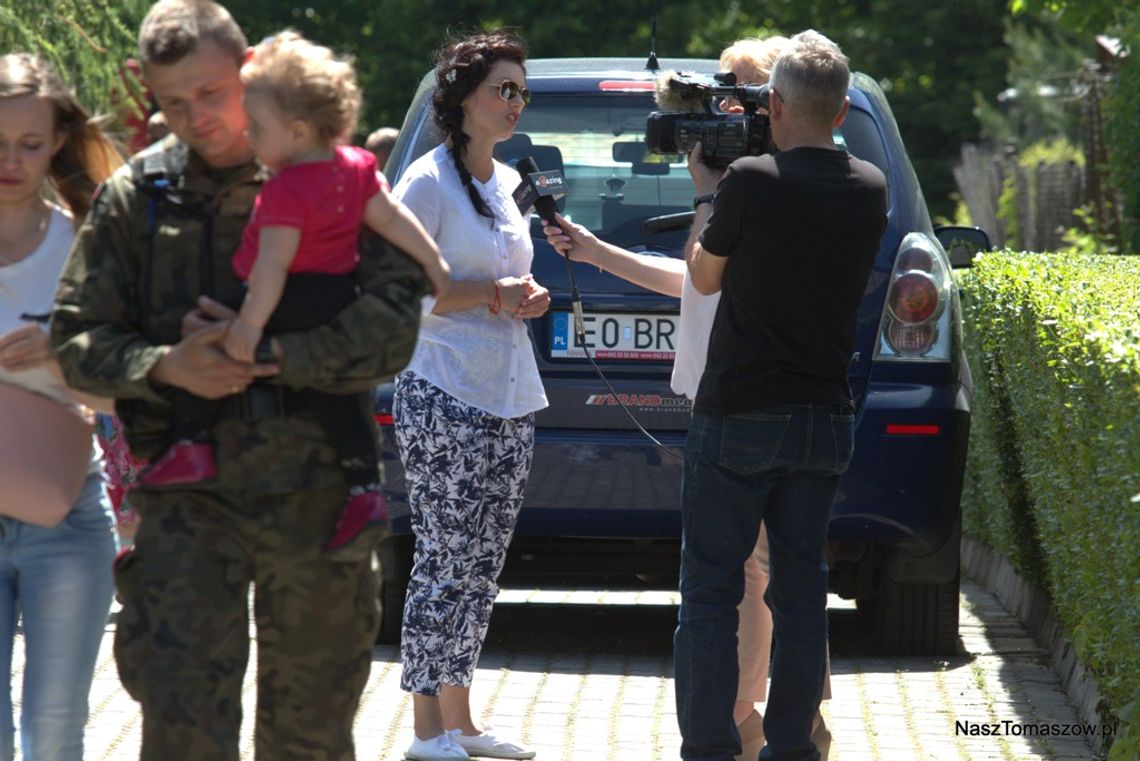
(668, 222)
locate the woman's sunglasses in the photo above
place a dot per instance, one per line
(508, 91)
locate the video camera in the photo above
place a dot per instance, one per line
(689, 117)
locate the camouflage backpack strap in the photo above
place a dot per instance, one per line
(157, 173)
(153, 172)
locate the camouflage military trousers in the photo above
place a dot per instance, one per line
(182, 641)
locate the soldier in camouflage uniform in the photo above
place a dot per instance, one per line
(129, 324)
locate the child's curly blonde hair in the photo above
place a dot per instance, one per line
(307, 81)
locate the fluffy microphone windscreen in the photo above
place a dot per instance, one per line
(670, 98)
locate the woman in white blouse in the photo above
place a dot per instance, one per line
(464, 408)
(56, 530)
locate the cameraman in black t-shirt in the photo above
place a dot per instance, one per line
(789, 240)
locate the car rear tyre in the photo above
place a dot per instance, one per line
(917, 619)
(395, 568)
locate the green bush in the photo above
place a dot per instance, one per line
(1055, 151)
(1053, 477)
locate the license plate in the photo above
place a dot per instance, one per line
(615, 335)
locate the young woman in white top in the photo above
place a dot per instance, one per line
(464, 408)
(751, 60)
(56, 527)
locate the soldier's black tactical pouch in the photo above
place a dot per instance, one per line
(264, 400)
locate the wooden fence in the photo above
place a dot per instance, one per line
(1046, 196)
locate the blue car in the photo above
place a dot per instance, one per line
(603, 500)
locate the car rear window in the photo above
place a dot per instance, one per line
(582, 134)
(861, 137)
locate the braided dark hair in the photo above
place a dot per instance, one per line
(460, 67)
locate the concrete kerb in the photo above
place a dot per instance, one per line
(1034, 609)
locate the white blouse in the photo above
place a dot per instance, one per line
(482, 359)
(697, 314)
(28, 288)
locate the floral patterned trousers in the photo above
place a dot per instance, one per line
(465, 471)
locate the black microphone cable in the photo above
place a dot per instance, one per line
(580, 332)
(545, 207)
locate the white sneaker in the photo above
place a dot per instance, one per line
(439, 748)
(490, 746)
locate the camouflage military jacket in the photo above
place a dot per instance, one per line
(162, 231)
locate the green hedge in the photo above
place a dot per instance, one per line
(1053, 478)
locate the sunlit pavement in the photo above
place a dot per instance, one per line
(588, 676)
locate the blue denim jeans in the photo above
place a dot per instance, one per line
(781, 465)
(59, 582)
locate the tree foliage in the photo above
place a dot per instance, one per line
(932, 70)
(1080, 15)
(1042, 101)
(1123, 139)
(1122, 109)
(88, 41)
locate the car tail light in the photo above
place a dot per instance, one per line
(916, 320)
(913, 297)
(626, 85)
(382, 419)
(904, 429)
(911, 339)
(915, 259)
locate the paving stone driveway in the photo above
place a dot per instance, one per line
(587, 676)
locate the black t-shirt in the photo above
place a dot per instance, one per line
(800, 230)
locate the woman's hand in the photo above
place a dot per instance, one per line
(512, 292)
(573, 241)
(30, 346)
(522, 298)
(536, 302)
(25, 348)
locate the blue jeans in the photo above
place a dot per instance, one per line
(780, 465)
(59, 582)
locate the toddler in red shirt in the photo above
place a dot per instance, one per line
(298, 260)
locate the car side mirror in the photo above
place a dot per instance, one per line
(962, 243)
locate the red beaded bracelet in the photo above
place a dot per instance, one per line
(495, 304)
